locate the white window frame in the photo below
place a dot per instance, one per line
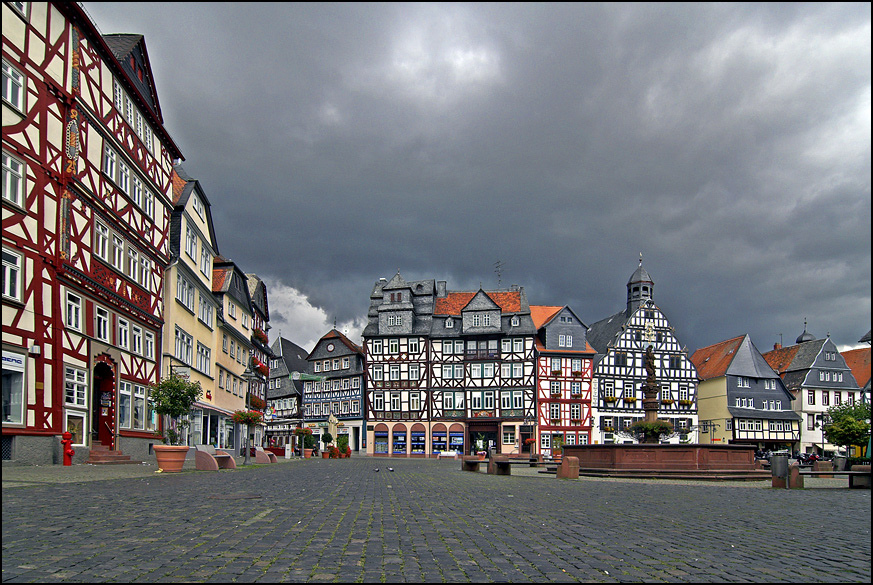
(74, 311)
(149, 346)
(123, 333)
(14, 86)
(13, 271)
(75, 387)
(136, 340)
(14, 179)
(101, 324)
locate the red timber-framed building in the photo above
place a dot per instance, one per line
(86, 211)
(564, 373)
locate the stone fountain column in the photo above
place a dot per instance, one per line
(650, 388)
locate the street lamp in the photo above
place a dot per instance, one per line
(248, 376)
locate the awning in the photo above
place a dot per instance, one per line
(204, 406)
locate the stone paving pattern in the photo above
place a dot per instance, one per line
(426, 521)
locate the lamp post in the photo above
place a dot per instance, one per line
(248, 376)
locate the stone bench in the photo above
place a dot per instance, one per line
(499, 465)
(470, 463)
(859, 476)
(262, 456)
(208, 458)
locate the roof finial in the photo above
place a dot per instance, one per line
(641, 258)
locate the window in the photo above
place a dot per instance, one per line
(449, 323)
(393, 346)
(395, 401)
(118, 253)
(13, 179)
(140, 418)
(205, 311)
(101, 241)
(378, 373)
(810, 397)
(184, 346)
(345, 363)
(136, 340)
(476, 320)
(204, 355)
(377, 346)
(123, 177)
(414, 401)
(13, 388)
(555, 387)
(75, 386)
(742, 382)
(476, 401)
(110, 164)
(394, 371)
(810, 422)
(149, 350)
(576, 411)
(414, 373)
(123, 333)
(825, 398)
(190, 242)
(575, 388)
(205, 261)
(565, 340)
(74, 311)
(514, 321)
(508, 435)
(675, 362)
(620, 359)
(125, 398)
(378, 401)
(609, 389)
(185, 292)
(518, 345)
(683, 393)
(12, 275)
(133, 264)
(13, 87)
(101, 329)
(555, 413)
(556, 364)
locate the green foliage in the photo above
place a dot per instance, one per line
(342, 442)
(848, 424)
(651, 432)
(308, 441)
(327, 439)
(173, 397)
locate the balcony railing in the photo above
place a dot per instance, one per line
(482, 354)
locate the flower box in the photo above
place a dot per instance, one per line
(685, 403)
(556, 372)
(608, 429)
(630, 398)
(610, 399)
(667, 401)
(577, 374)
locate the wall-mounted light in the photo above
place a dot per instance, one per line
(35, 349)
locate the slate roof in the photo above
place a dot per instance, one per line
(603, 333)
(737, 357)
(794, 358)
(765, 414)
(334, 334)
(292, 358)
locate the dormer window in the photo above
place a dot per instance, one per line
(514, 322)
(477, 320)
(449, 323)
(486, 320)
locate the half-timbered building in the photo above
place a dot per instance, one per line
(564, 372)
(258, 329)
(741, 400)
(621, 341)
(86, 212)
(816, 374)
(447, 371)
(285, 391)
(339, 364)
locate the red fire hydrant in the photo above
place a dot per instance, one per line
(67, 443)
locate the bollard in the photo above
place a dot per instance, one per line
(569, 468)
(795, 480)
(66, 444)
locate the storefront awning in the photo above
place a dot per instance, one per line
(204, 406)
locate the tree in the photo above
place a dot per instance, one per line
(847, 424)
(173, 397)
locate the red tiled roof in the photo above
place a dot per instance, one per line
(218, 277)
(509, 302)
(541, 314)
(780, 359)
(713, 361)
(858, 361)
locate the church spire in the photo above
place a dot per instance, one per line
(640, 287)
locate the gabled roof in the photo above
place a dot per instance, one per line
(454, 302)
(130, 51)
(796, 357)
(737, 357)
(858, 361)
(183, 186)
(334, 334)
(603, 333)
(542, 314)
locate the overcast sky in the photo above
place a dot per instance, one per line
(340, 143)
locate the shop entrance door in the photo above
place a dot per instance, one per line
(103, 405)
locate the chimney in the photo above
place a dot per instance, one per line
(777, 346)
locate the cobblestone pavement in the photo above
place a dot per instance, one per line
(425, 521)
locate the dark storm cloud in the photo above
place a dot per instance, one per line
(728, 143)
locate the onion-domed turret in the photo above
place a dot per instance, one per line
(805, 336)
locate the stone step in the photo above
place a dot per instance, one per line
(103, 455)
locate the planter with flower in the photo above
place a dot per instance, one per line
(327, 439)
(173, 398)
(685, 403)
(609, 399)
(306, 440)
(342, 443)
(630, 399)
(247, 418)
(260, 337)
(667, 401)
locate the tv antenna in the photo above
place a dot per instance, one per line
(498, 267)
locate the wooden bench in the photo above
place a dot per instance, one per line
(262, 456)
(470, 463)
(208, 458)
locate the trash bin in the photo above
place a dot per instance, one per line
(288, 451)
(839, 463)
(779, 465)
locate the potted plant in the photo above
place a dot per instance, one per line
(327, 439)
(247, 418)
(306, 440)
(173, 398)
(342, 443)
